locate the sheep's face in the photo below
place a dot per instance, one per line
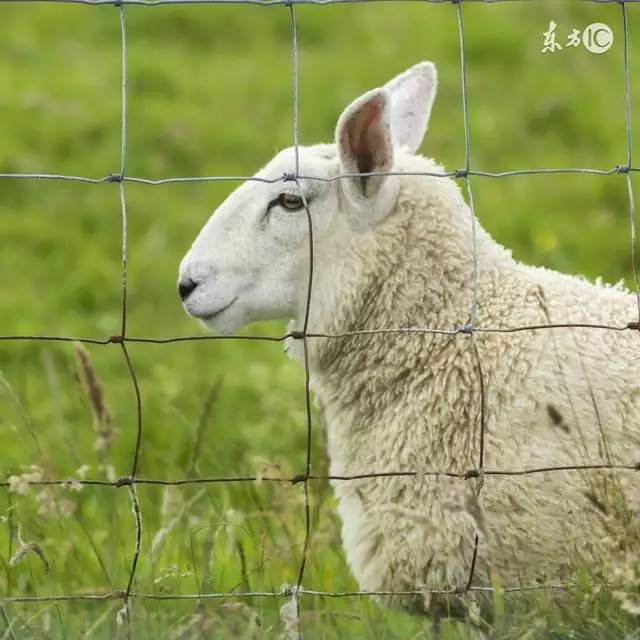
(251, 260)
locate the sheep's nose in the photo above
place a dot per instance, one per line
(186, 287)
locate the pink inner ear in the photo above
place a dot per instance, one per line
(372, 112)
(354, 135)
(365, 150)
(360, 139)
(364, 140)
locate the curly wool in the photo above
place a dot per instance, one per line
(413, 402)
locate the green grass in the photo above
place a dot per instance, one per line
(209, 93)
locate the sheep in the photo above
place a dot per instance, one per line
(392, 251)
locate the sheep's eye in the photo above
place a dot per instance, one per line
(290, 202)
(287, 201)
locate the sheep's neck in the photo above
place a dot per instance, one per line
(366, 382)
(416, 272)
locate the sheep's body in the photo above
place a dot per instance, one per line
(395, 402)
(393, 252)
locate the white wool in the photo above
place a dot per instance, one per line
(394, 252)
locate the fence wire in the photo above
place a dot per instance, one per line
(120, 178)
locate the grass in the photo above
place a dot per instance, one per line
(209, 93)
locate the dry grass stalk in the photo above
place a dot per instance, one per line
(102, 416)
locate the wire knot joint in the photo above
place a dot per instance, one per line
(466, 328)
(299, 477)
(287, 590)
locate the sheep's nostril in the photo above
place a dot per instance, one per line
(186, 287)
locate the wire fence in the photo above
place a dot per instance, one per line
(122, 339)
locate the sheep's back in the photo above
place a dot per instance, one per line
(552, 398)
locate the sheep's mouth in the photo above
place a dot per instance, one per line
(215, 314)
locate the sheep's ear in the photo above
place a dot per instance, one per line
(412, 95)
(363, 137)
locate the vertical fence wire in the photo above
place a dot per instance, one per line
(305, 344)
(626, 169)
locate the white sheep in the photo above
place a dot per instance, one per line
(395, 251)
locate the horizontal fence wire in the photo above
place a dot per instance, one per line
(120, 179)
(269, 3)
(285, 593)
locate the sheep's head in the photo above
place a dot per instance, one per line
(251, 260)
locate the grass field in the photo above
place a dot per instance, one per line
(210, 93)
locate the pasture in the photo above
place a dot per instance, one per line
(209, 93)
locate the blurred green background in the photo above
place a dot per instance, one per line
(209, 92)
